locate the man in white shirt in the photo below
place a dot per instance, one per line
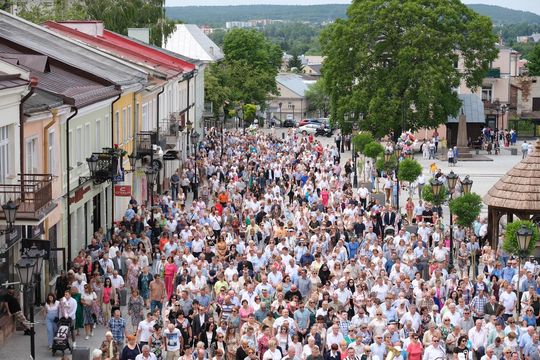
(173, 342)
(68, 309)
(145, 330)
(146, 354)
(117, 281)
(440, 253)
(478, 338)
(508, 300)
(435, 350)
(413, 316)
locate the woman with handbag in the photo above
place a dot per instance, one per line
(51, 316)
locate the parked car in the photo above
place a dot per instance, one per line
(287, 123)
(324, 130)
(308, 121)
(308, 129)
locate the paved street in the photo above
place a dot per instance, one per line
(483, 173)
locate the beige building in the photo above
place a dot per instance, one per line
(525, 99)
(291, 103)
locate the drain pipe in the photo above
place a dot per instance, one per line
(68, 185)
(33, 84)
(112, 146)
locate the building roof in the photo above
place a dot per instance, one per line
(159, 63)
(23, 33)
(41, 101)
(315, 67)
(473, 108)
(9, 81)
(189, 40)
(293, 82)
(59, 79)
(519, 188)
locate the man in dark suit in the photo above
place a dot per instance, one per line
(119, 263)
(199, 322)
(389, 217)
(493, 308)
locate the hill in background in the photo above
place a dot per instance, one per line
(216, 16)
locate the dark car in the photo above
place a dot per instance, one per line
(288, 123)
(324, 130)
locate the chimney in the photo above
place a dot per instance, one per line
(141, 34)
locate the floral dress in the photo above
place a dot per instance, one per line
(133, 276)
(157, 346)
(136, 309)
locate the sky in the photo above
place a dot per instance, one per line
(526, 5)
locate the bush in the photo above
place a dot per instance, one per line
(409, 170)
(467, 208)
(510, 243)
(361, 140)
(386, 166)
(373, 149)
(427, 195)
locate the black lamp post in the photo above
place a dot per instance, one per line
(452, 180)
(466, 184)
(524, 236)
(92, 164)
(28, 267)
(132, 161)
(150, 180)
(38, 256)
(280, 120)
(292, 111)
(10, 212)
(195, 141)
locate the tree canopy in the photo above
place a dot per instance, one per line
(394, 61)
(467, 208)
(511, 244)
(317, 99)
(533, 65)
(409, 170)
(248, 71)
(117, 15)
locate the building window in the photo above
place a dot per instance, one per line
(137, 115)
(124, 125)
(117, 125)
(145, 120)
(4, 154)
(51, 153)
(31, 156)
(130, 125)
(536, 104)
(487, 93)
(79, 146)
(97, 138)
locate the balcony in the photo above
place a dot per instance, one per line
(145, 142)
(33, 195)
(494, 73)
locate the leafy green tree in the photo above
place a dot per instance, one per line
(533, 65)
(409, 170)
(248, 71)
(427, 195)
(394, 61)
(373, 149)
(388, 166)
(295, 64)
(360, 140)
(511, 244)
(218, 36)
(317, 99)
(467, 208)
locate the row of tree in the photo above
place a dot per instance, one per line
(117, 15)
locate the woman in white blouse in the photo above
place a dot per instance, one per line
(51, 317)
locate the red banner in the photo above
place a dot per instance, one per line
(122, 190)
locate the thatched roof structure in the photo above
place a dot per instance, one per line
(519, 189)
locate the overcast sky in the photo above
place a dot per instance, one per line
(528, 5)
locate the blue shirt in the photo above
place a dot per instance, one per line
(508, 273)
(118, 328)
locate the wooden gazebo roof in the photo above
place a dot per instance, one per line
(519, 188)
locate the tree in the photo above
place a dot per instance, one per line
(360, 140)
(511, 244)
(295, 64)
(388, 166)
(248, 71)
(533, 65)
(394, 61)
(427, 195)
(467, 208)
(409, 170)
(373, 150)
(317, 99)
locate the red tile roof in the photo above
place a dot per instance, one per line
(128, 49)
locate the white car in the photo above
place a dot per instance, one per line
(308, 129)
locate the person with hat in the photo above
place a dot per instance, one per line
(13, 308)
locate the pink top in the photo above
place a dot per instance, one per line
(170, 269)
(244, 313)
(415, 351)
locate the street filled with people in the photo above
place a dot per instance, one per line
(262, 249)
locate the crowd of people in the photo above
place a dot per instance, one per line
(267, 252)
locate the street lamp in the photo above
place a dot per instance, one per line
(452, 180)
(195, 141)
(436, 186)
(132, 161)
(92, 164)
(524, 236)
(10, 213)
(150, 180)
(292, 111)
(280, 120)
(37, 255)
(26, 267)
(466, 185)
